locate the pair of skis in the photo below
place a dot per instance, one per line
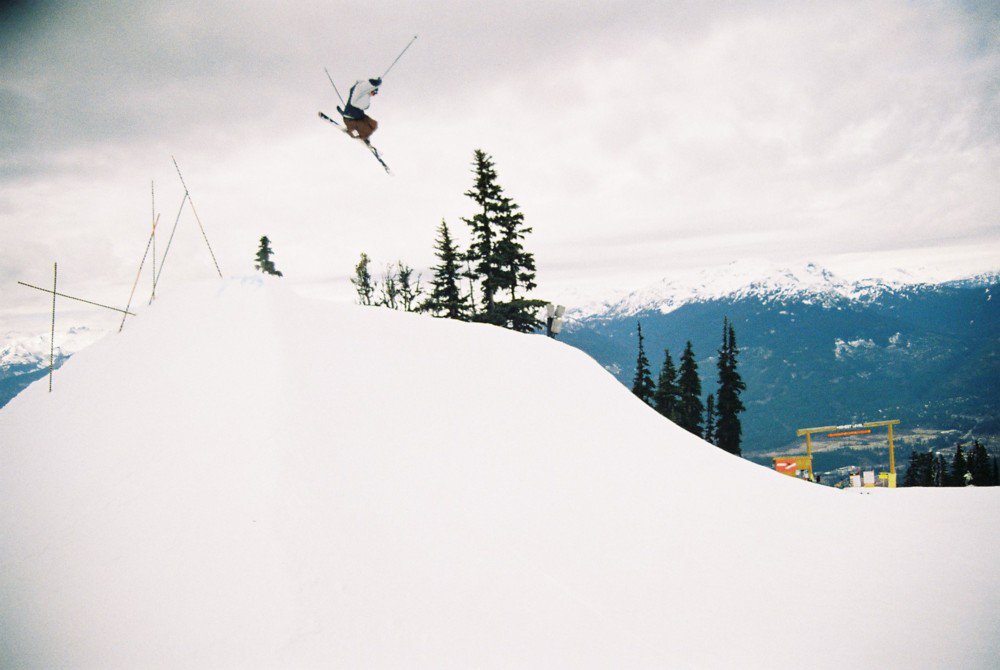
(366, 142)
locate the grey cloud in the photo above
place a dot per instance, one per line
(834, 124)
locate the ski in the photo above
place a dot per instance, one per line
(367, 144)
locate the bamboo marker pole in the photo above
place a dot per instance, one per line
(196, 217)
(52, 332)
(163, 261)
(152, 237)
(152, 190)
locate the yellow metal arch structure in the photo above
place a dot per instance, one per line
(852, 429)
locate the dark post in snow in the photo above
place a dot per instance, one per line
(52, 332)
(553, 320)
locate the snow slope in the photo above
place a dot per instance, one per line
(247, 478)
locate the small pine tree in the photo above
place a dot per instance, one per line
(362, 281)
(939, 474)
(263, 258)
(728, 428)
(959, 467)
(910, 477)
(642, 384)
(390, 288)
(409, 288)
(666, 398)
(979, 465)
(710, 415)
(446, 299)
(691, 409)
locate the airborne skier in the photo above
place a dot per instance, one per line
(359, 124)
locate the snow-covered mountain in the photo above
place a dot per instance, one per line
(212, 489)
(31, 351)
(818, 349)
(25, 357)
(740, 280)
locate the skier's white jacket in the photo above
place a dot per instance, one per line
(358, 99)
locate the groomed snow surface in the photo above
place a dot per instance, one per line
(247, 478)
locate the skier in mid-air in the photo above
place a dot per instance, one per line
(358, 123)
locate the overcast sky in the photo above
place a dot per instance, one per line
(639, 138)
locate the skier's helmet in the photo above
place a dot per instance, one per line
(376, 82)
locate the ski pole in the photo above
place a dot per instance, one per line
(398, 57)
(334, 85)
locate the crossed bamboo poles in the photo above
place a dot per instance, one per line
(156, 272)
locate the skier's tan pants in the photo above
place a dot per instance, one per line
(361, 128)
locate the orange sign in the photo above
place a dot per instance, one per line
(786, 466)
(850, 432)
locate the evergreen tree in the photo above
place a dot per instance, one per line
(516, 267)
(666, 398)
(710, 419)
(728, 428)
(642, 385)
(482, 254)
(362, 281)
(939, 474)
(263, 258)
(979, 465)
(409, 288)
(996, 471)
(691, 410)
(390, 288)
(496, 255)
(921, 469)
(446, 299)
(910, 478)
(959, 467)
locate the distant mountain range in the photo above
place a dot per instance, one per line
(817, 349)
(24, 357)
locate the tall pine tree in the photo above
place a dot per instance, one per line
(482, 254)
(642, 385)
(691, 410)
(263, 258)
(516, 267)
(666, 398)
(728, 428)
(446, 299)
(496, 255)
